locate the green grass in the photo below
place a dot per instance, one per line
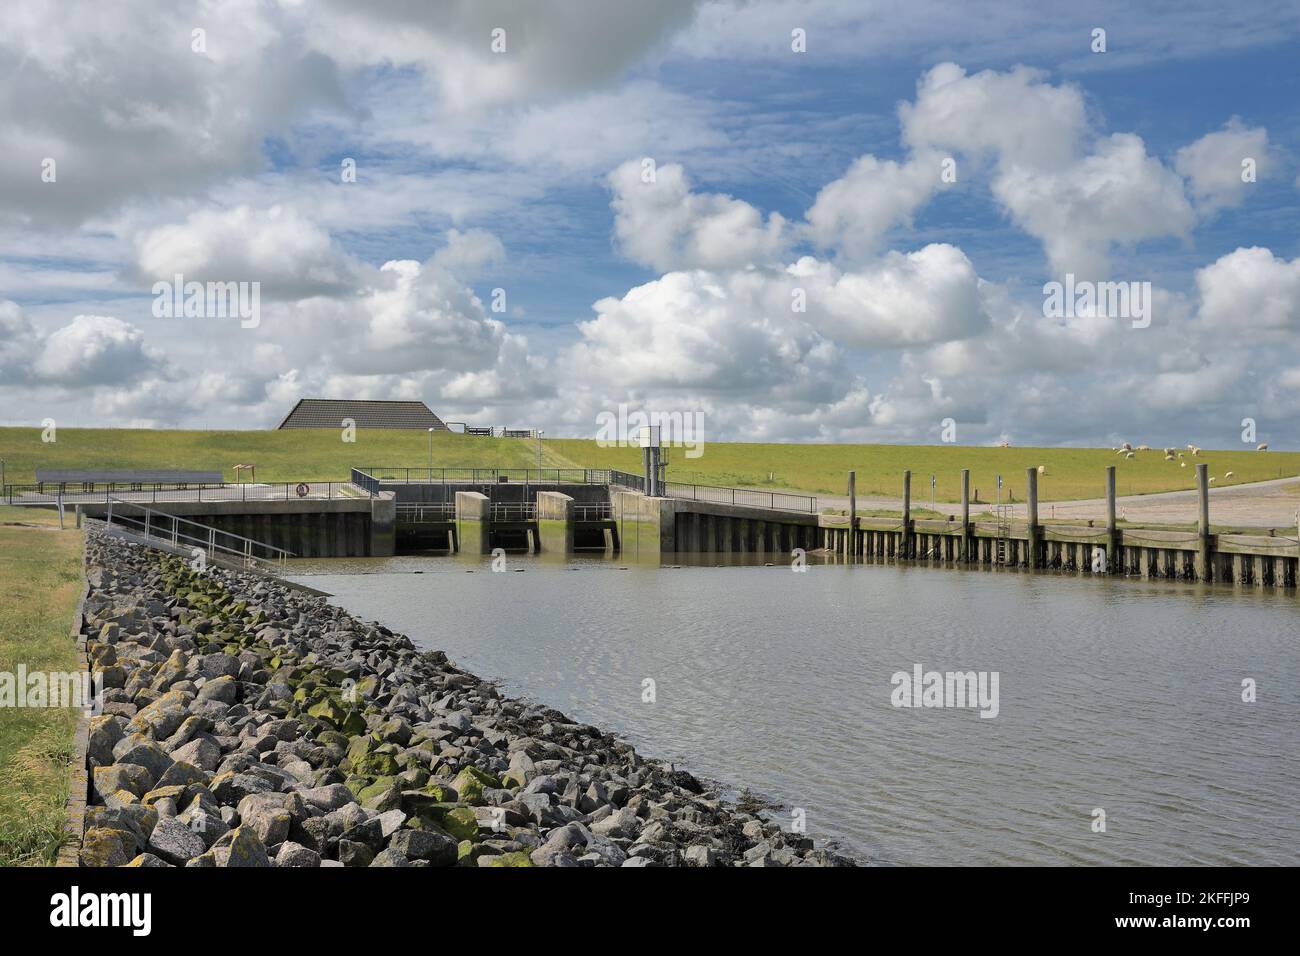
(320, 455)
(40, 580)
(1072, 473)
(44, 517)
(306, 454)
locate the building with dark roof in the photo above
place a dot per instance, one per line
(330, 413)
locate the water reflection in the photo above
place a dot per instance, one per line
(1117, 694)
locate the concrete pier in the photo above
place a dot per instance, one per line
(473, 522)
(555, 522)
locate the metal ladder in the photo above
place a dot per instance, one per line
(1004, 532)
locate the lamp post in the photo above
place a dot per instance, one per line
(430, 454)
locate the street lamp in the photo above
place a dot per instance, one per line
(431, 454)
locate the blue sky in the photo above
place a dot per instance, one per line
(484, 170)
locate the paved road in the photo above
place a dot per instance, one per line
(1263, 503)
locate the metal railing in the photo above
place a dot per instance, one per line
(773, 500)
(426, 512)
(158, 527)
(79, 493)
(365, 481)
(514, 510)
(591, 511)
(481, 476)
(627, 480)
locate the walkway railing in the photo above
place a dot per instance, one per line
(426, 512)
(570, 476)
(591, 511)
(514, 510)
(774, 500)
(627, 480)
(79, 493)
(365, 481)
(158, 527)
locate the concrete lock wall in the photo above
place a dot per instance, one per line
(555, 522)
(307, 527)
(676, 525)
(473, 522)
(711, 528)
(645, 525)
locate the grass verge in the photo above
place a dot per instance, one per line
(40, 581)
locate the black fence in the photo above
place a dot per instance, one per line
(365, 481)
(627, 480)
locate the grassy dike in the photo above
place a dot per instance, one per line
(310, 454)
(1072, 473)
(321, 455)
(40, 581)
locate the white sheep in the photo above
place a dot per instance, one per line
(1227, 474)
(1130, 455)
(1262, 446)
(1042, 469)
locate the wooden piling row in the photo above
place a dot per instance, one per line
(1240, 559)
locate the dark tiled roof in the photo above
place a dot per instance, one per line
(330, 412)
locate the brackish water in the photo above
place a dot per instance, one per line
(1113, 694)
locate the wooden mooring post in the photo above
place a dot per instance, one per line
(851, 546)
(1035, 533)
(906, 550)
(964, 554)
(1112, 531)
(1203, 524)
